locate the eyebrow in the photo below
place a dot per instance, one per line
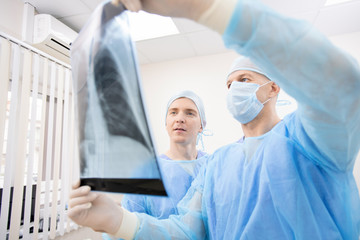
(171, 109)
(187, 109)
(191, 110)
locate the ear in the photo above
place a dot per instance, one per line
(201, 128)
(275, 89)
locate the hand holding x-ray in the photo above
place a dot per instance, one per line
(95, 210)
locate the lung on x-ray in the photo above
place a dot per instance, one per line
(116, 149)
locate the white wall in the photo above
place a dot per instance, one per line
(206, 76)
(11, 17)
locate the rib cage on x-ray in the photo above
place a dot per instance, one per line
(114, 100)
(116, 135)
(115, 144)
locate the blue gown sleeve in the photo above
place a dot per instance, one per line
(187, 224)
(134, 203)
(322, 78)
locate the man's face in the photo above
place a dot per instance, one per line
(183, 121)
(251, 77)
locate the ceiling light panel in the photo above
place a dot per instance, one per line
(147, 26)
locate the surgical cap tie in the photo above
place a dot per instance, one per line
(205, 132)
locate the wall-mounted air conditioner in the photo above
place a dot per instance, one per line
(53, 37)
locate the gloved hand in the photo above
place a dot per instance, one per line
(191, 9)
(94, 210)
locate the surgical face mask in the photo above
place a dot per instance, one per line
(242, 101)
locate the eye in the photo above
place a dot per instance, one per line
(244, 80)
(240, 79)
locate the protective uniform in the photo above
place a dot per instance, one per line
(295, 181)
(177, 176)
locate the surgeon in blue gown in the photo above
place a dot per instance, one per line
(185, 121)
(287, 179)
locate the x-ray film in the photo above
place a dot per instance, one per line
(116, 150)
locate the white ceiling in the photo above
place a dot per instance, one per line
(196, 40)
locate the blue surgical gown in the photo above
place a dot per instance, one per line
(297, 183)
(177, 177)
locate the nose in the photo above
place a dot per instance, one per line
(180, 118)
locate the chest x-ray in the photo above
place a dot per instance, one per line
(116, 148)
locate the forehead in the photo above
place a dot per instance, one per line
(183, 103)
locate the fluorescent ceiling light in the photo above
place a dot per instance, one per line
(333, 2)
(146, 26)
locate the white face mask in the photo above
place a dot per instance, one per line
(242, 101)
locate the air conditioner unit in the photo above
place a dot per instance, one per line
(53, 37)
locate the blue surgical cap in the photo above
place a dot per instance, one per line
(195, 98)
(244, 63)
